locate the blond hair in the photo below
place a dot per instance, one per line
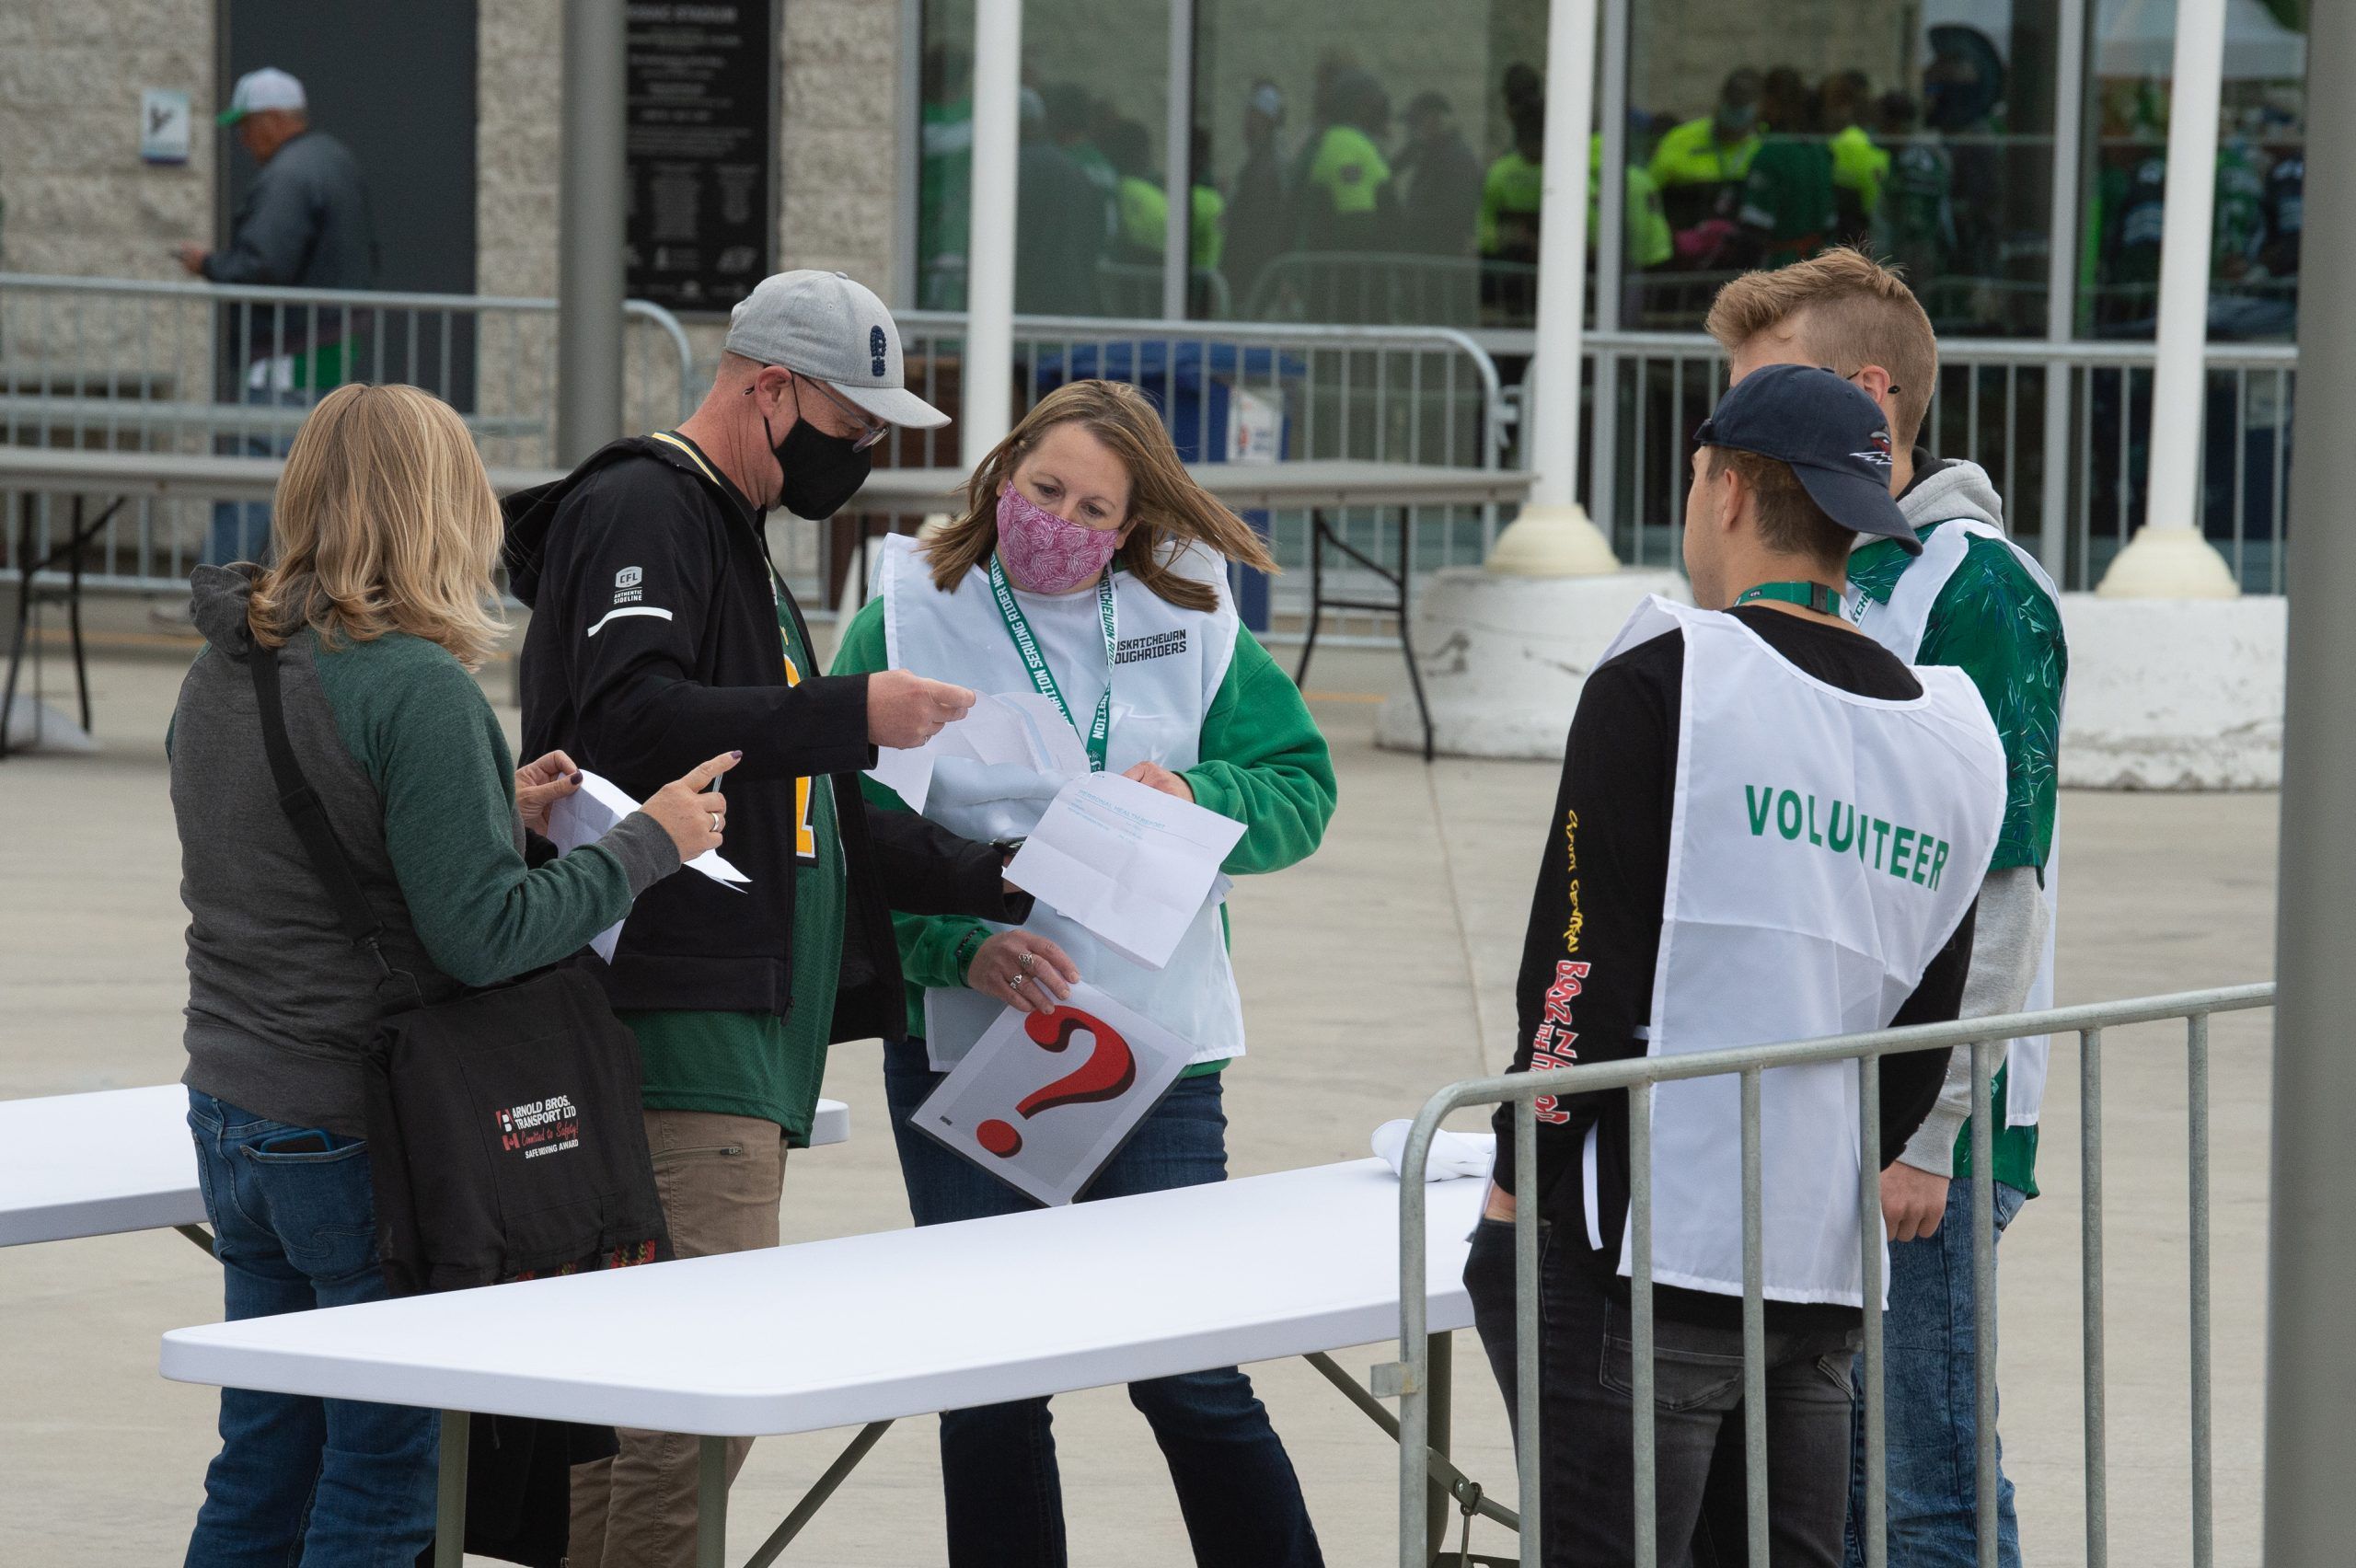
(1165, 503)
(383, 521)
(1859, 312)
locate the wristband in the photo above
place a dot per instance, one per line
(963, 954)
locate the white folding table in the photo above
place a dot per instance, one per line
(865, 1330)
(121, 1160)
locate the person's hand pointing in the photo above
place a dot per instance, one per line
(904, 710)
(693, 813)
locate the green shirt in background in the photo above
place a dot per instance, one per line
(1994, 622)
(754, 1064)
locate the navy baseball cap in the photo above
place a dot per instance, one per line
(1832, 435)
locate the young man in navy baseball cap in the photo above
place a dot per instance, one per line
(1803, 459)
(1769, 828)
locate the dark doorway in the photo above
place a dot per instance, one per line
(396, 83)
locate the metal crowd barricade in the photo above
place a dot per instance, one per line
(1416, 395)
(1412, 1375)
(195, 368)
(2071, 471)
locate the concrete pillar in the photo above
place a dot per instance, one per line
(2311, 1265)
(1553, 537)
(2169, 558)
(988, 386)
(594, 187)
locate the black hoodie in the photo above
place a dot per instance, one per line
(654, 646)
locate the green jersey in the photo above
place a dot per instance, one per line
(1995, 622)
(756, 1064)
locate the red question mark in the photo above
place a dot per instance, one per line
(1107, 1075)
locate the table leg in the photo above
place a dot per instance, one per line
(1438, 1512)
(1316, 591)
(198, 1235)
(74, 606)
(711, 1503)
(24, 613)
(450, 1493)
(1406, 637)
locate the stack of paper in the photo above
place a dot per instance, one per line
(1130, 863)
(589, 813)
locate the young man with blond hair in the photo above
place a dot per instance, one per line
(1975, 599)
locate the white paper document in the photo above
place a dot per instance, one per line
(589, 813)
(1133, 865)
(1020, 729)
(1044, 1100)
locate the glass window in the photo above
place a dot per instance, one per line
(2261, 167)
(2247, 433)
(1761, 135)
(1368, 160)
(1090, 206)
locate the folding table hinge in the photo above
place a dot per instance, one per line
(1390, 1380)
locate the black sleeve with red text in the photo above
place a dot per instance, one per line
(1585, 983)
(642, 711)
(1910, 1081)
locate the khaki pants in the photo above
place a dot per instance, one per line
(719, 1179)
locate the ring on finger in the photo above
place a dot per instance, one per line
(1016, 984)
(1029, 960)
(715, 822)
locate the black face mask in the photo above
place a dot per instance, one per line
(821, 472)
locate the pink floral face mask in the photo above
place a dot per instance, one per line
(1045, 554)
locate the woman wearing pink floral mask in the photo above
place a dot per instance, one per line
(1089, 567)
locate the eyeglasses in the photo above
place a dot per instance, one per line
(870, 430)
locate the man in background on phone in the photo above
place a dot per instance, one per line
(304, 222)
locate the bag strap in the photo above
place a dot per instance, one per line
(308, 815)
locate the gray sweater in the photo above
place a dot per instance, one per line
(304, 222)
(407, 756)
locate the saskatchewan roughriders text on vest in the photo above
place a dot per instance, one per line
(1905, 853)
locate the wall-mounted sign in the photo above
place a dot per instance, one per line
(702, 149)
(163, 126)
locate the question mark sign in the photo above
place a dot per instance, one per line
(1108, 1074)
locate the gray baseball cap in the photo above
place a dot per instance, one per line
(825, 325)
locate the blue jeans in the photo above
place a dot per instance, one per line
(1932, 1424)
(241, 528)
(1236, 1486)
(299, 1479)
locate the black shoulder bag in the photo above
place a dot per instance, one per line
(506, 1137)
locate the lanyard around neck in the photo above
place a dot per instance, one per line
(1026, 647)
(1807, 595)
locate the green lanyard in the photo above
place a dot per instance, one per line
(1807, 595)
(1027, 646)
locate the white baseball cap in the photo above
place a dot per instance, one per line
(825, 325)
(269, 87)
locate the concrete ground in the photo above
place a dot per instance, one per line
(1373, 975)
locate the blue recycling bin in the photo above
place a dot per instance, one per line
(1192, 384)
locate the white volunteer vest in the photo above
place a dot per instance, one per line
(1899, 626)
(1158, 703)
(1822, 847)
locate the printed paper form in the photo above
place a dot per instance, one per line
(589, 813)
(1126, 861)
(1021, 728)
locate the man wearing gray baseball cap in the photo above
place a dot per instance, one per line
(659, 624)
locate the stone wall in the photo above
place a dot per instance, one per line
(79, 202)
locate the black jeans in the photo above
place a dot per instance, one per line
(1001, 1486)
(1587, 1458)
